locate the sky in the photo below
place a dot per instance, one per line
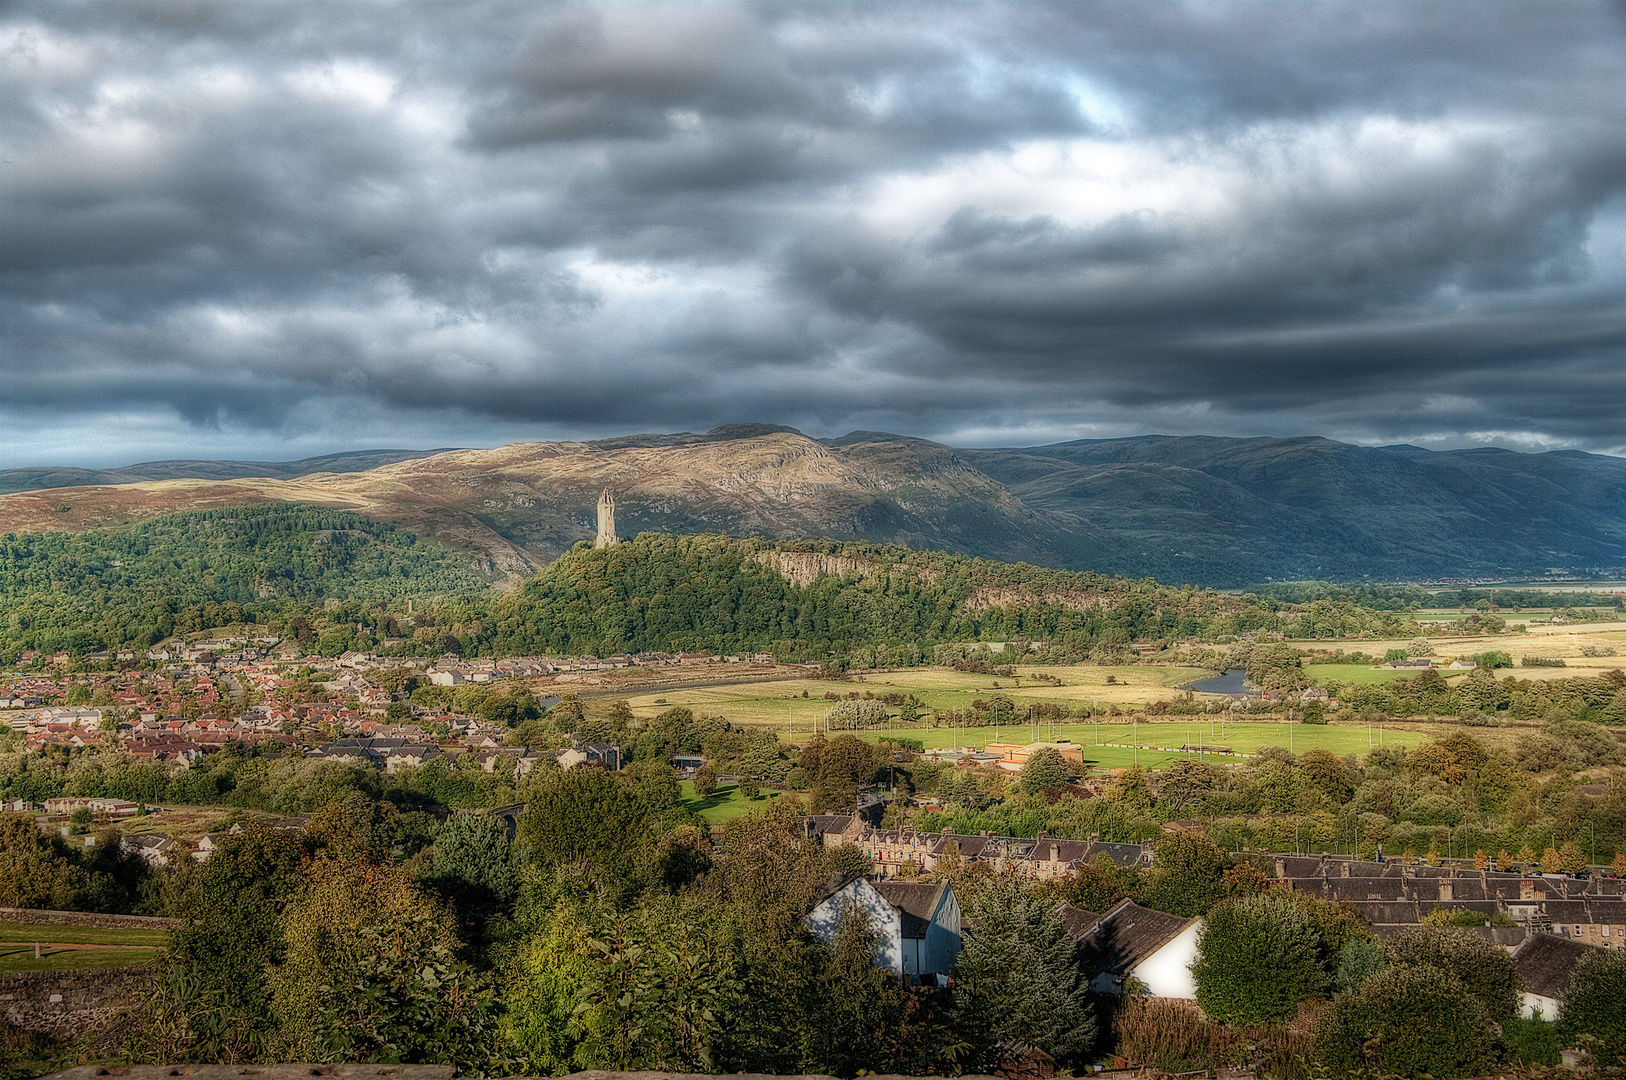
(272, 230)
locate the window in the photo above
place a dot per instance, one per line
(1577, 931)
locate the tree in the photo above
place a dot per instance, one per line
(1258, 957)
(37, 871)
(748, 787)
(1019, 979)
(1410, 1020)
(216, 999)
(587, 819)
(705, 782)
(470, 866)
(370, 974)
(858, 715)
(1045, 768)
(1485, 972)
(1187, 878)
(1595, 1004)
(656, 783)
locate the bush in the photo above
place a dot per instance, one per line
(1258, 957)
(1045, 768)
(1167, 1034)
(1533, 1042)
(1596, 1005)
(1485, 971)
(1408, 1021)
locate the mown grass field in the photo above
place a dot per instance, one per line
(21, 958)
(726, 803)
(80, 935)
(1353, 673)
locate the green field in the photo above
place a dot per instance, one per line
(21, 958)
(1320, 674)
(726, 804)
(1113, 745)
(80, 935)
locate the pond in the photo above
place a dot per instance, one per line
(1232, 682)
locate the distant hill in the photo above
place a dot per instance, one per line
(1317, 509)
(69, 476)
(1222, 512)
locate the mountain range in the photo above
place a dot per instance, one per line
(1214, 511)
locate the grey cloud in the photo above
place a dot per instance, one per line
(1388, 221)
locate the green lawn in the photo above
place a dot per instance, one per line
(726, 804)
(21, 958)
(80, 935)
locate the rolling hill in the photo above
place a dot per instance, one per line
(1223, 512)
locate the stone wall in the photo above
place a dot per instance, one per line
(68, 1004)
(395, 1072)
(85, 918)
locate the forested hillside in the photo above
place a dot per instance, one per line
(135, 585)
(139, 583)
(662, 592)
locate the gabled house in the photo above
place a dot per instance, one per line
(1154, 948)
(919, 924)
(156, 848)
(1544, 963)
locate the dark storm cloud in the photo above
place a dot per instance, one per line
(349, 224)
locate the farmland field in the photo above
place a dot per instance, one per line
(1113, 744)
(781, 705)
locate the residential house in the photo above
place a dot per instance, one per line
(1153, 948)
(918, 924)
(156, 848)
(1544, 963)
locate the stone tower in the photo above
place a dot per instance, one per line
(606, 521)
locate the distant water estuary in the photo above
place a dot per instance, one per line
(1234, 681)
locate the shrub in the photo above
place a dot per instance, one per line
(1407, 1021)
(1258, 957)
(1167, 1034)
(1596, 1005)
(1485, 971)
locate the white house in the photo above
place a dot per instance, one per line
(1544, 963)
(1154, 948)
(919, 924)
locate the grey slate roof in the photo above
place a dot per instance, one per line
(1125, 936)
(916, 902)
(1076, 921)
(1545, 962)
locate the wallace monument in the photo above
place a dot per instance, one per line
(606, 522)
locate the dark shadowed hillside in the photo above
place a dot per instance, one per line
(1313, 508)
